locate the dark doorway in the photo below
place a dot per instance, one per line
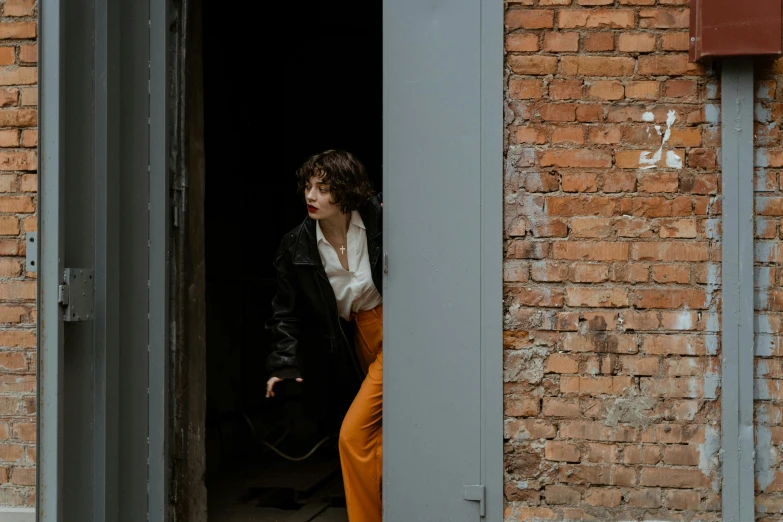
(278, 87)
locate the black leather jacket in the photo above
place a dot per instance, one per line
(309, 336)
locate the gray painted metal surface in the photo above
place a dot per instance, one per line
(49, 468)
(159, 256)
(31, 261)
(78, 356)
(492, 57)
(737, 275)
(134, 257)
(99, 395)
(442, 293)
(107, 261)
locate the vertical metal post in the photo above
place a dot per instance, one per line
(492, 256)
(737, 278)
(159, 192)
(49, 467)
(107, 259)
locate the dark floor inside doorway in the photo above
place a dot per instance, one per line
(266, 109)
(308, 492)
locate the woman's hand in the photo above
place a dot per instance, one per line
(270, 385)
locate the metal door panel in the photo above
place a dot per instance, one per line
(435, 291)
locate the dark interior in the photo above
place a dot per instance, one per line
(270, 102)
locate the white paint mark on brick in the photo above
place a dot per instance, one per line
(762, 368)
(760, 298)
(684, 321)
(672, 159)
(709, 455)
(712, 113)
(648, 116)
(713, 277)
(712, 90)
(711, 384)
(763, 388)
(766, 459)
(761, 158)
(766, 345)
(713, 325)
(762, 113)
(762, 276)
(763, 325)
(711, 341)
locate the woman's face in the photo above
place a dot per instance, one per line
(318, 197)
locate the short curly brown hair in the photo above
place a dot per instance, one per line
(348, 182)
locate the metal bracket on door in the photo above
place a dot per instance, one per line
(32, 252)
(476, 494)
(77, 294)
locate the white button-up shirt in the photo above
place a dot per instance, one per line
(353, 288)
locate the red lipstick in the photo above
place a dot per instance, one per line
(311, 208)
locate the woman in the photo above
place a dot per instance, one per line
(329, 284)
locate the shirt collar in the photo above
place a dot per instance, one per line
(356, 220)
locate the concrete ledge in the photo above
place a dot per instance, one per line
(10, 514)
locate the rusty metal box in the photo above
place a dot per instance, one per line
(723, 28)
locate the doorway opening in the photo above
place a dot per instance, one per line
(266, 109)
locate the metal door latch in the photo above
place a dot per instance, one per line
(476, 494)
(77, 294)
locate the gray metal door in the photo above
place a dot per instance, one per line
(443, 228)
(104, 211)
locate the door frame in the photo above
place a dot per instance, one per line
(175, 460)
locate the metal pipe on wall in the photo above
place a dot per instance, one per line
(737, 335)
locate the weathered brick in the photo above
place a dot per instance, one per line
(599, 385)
(599, 42)
(667, 65)
(674, 478)
(677, 455)
(554, 407)
(603, 497)
(596, 19)
(645, 498)
(605, 251)
(19, 8)
(565, 89)
(576, 158)
(575, 136)
(606, 90)
(636, 42)
(555, 42)
(642, 90)
(664, 18)
(562, 451)
(597, 66)
(675, 41)
(530, 18)
(529, 429)
(673, 298)
(524, 88)
(533, 65)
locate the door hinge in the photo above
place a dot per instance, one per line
(77, 294)
(476, 494)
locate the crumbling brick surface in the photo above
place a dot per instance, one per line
(18, 202)
(768, 277)
(612, 264)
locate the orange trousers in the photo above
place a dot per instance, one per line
(361, 435)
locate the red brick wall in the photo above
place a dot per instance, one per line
(612, 264)
(769, 294)
(18, 187)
